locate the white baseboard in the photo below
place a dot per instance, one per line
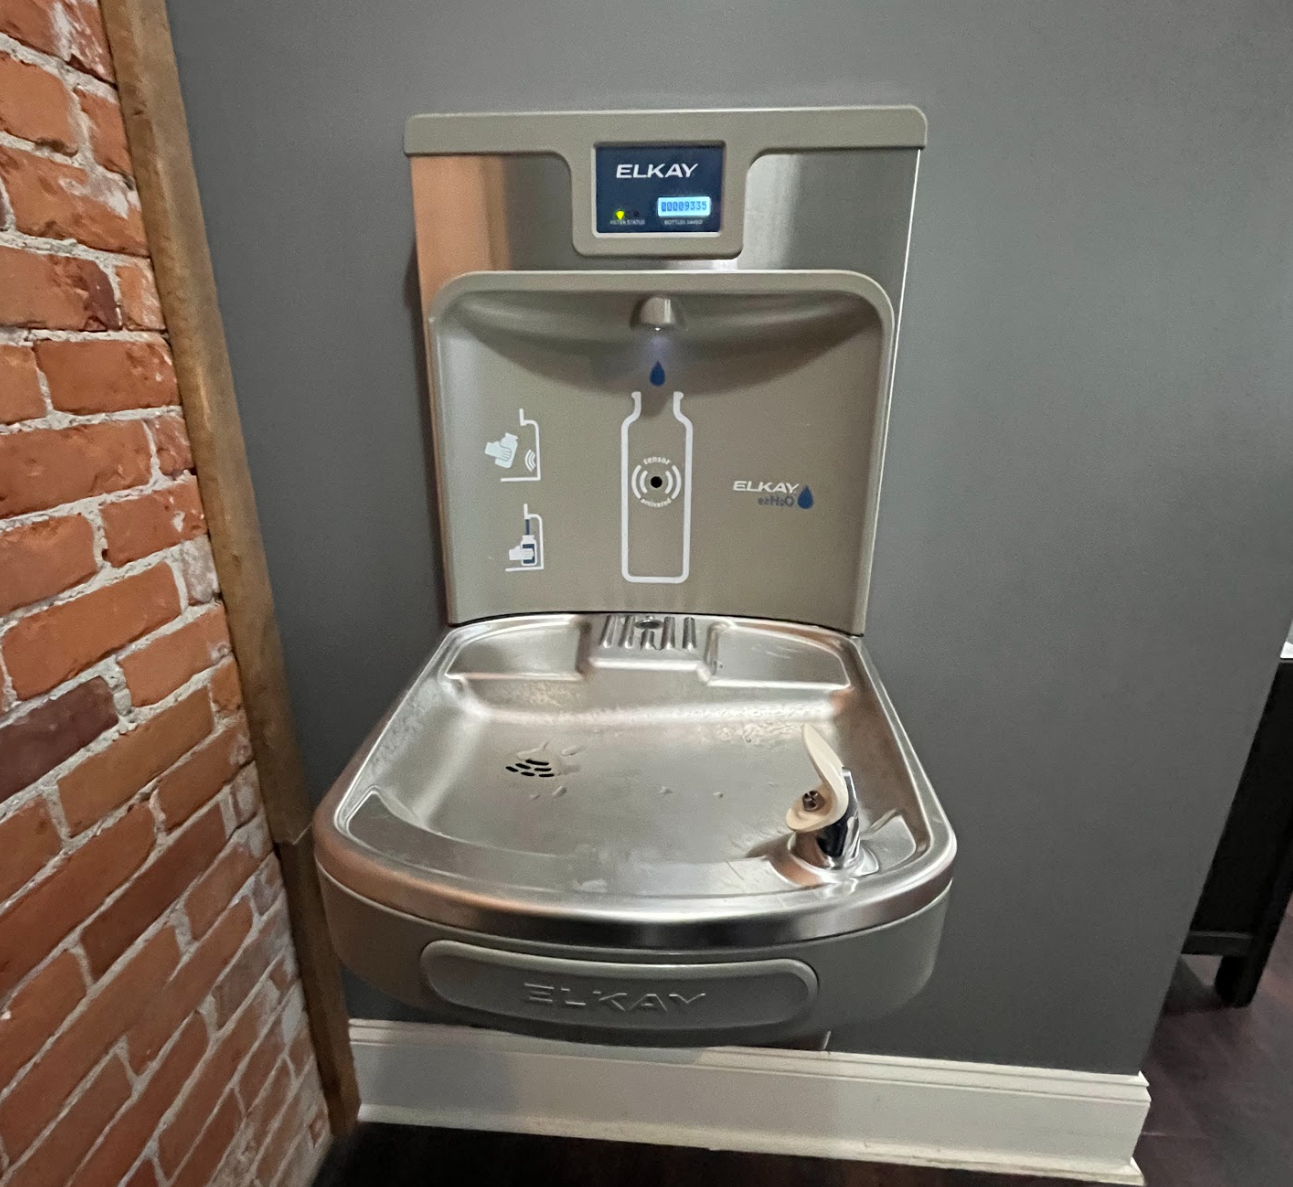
(829, 1104)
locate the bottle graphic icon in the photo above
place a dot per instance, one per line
(655, 491)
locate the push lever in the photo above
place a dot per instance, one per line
(827, 819)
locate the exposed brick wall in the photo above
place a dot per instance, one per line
(152, 1030)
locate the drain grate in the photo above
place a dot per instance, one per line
(533, 767)
(648, 632)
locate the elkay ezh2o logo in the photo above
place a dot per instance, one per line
(777, 494)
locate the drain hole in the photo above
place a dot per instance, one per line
(542, 767)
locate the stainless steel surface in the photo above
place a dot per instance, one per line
(568, 138)
(658, 466)
(859, 974)
(571, 778)
(684, 999)
(727, 465)
(781, 386)
(827, 209)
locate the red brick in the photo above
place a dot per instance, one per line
(107, 376)
(174, 453)
(50, 292)
(226, 688)
(44, 558)
(28, 839)
(20, 397)
(265, 1057)
(211, 1147)
(280, 974)
(85, 45)
(144, 1176)
(184, 790)
(141, 307)
(244, 791)
(243, 974)
(107, 131)
(37, 1010)
(146, 524)
(197, 564)
(298, 1163)
(268, 889)
(280, 1141)
(160, 666)
(35, 744)
(33, 105)
(67, 29)
(46, 467)
(216, 888)
(38, 921)
(152, 891)
(57, 201)
(54, 1160)
(203, 1095)
(45, 648)
(123, 1143)
(319, 1125)
(261, 1114)
(301, 1052)
(105, 781)
(35, 1099)
(186, 989)
(31, 22)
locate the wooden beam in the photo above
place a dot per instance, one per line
(144, 58)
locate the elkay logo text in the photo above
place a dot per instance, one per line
(620, 1001)
(776, 494)
(766, 488)
(675, 170)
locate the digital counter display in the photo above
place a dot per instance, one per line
(686, 206)
(659, 189)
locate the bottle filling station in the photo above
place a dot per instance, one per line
(650, 788)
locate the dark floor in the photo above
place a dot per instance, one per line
(1221, 1081)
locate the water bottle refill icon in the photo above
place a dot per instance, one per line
(655, 491)
(528, 554)
(520, 449)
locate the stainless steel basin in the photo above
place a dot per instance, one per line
(619, 785)
(575, 779)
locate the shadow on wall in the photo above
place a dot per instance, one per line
(418, 339)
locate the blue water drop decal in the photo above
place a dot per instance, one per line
(805, 498)
(657, 375)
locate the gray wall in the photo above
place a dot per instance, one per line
(1084, 567)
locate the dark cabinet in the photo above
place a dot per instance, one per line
(1248, 886)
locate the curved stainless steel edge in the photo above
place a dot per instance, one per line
(735, 921)
(860, 975)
